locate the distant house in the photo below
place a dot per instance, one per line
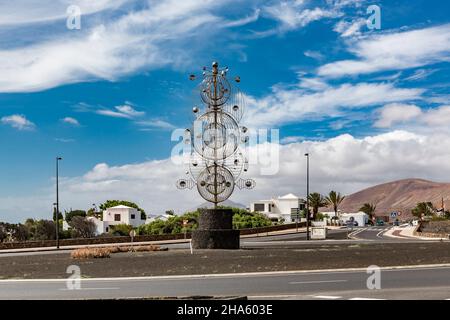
(283, 208)
(117, 215)
(163, 217)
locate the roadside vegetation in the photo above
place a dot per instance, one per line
(81, 227)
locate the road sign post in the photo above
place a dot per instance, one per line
(185, 223)
(132, 234)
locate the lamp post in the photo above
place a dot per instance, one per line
(307, 195)
(57, 201)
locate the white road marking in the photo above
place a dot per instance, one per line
(65, 289)
(318, 281)
(365, 299)
(248, 274)
(327, 297)
(378, 234)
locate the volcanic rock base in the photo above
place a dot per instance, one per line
(215, 230)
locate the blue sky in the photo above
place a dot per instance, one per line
(108, 96)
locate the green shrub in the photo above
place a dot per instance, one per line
(120, 229)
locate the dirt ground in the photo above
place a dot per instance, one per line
(178, 262)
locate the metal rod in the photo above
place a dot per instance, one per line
(57, 203)
(307, 196)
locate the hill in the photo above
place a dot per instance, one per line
(401, 195)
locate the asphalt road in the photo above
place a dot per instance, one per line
(371, 233)
(403, 283)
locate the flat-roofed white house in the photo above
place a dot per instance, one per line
(281, 208)
(117, 215)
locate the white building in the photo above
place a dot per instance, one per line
(281, 208)
(162, 217)
(360, 217)
(117, 215)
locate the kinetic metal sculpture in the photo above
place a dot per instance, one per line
(216, 161)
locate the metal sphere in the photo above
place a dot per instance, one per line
(217, 184)
(195, 109)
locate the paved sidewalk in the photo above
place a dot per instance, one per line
(407, 233)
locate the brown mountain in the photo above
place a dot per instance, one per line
(401, 195)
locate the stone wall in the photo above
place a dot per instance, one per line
(123, 239)
(433, 229)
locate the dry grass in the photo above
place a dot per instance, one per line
(105, 252)
(89, 253)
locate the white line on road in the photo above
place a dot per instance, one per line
(65, 289)
(365, 299)
(378, 234)
(248, 274)
(318, 281)
(327, 297)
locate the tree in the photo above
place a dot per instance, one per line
(20, 232)
(60, 216)
(113, 203)
(74, 213)
(316, 201)
(93, 213)
(369, 209)
(45, 230)
(423, 209)
(334, 199)
(82, 227)
(3, 232)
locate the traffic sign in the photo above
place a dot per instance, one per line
(393, 214)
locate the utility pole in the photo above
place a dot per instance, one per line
(57, 201)
(307, 195)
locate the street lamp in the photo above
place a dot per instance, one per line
(57, 201)
(307, 195)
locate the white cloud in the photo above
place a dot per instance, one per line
(350, 28)
(343, 163)
(128, 110)
(18, 121)
(71, 121)
(123, 111)
(396, 51)
(396, 113)
(290, 105)
(314, 55)
(421, 74)
(437, 117)
(150, 125)
(293, 14)
(19, 12)
(153, 37)
(240, 22)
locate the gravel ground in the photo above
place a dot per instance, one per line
(178, 262)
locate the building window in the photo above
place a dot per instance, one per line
(133, 216)
(117, 217)
(107, 229)
(259, 207)
(270, 207)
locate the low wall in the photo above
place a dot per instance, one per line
(423, 226)
(124, 239)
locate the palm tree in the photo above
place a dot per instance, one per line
(423, 208)
(334, 199)
(369, 209)
(316, 201)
